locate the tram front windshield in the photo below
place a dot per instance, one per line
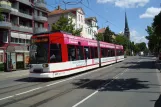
(39, 53)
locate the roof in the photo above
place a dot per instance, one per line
(62, 11)
(102, 30)
(91, 18)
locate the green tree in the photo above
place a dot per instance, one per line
(108, 35)
(66, 25)
(157, 24)
(99, 36)
(122, 40)
(154, 35)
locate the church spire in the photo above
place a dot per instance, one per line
(126, 30)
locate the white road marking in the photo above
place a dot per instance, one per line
(6, 98)
(28, 91)
(95, 92)
(55, 83)
(85, 99)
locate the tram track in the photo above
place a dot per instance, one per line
(59, 87)
(26, 85)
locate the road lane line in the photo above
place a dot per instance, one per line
(28, 91)
(85, 99)
(6, 98)
(95, 92)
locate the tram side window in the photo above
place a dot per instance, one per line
(106, 52)
(109, 52)
(112, 52)
(96, 52)
(80, 55)
(87, 52)
(71, 53)
(92, 52)
(117, 52)
(103, 52)
(55, 53)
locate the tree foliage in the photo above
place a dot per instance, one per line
(108, 35)
(66, 25)
(154, 34)
(122, 40)
(99, 37)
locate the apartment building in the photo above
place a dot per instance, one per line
(88, 25)
(21, 19)
(91, 27)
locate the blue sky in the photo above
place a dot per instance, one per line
(140, 14)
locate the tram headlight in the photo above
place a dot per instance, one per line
(45, 65)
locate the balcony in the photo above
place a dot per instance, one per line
(5, 24)
(40, 18)
(40, 30)
(40, 5)
(27, 16)
(22, 28)
(5, 6)
(25, 2)
(21, 14)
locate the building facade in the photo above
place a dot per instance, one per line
(21, 19)
(91, 27)
(78, 18)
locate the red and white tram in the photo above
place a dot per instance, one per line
(56, 54)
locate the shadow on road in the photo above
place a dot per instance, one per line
(141, 65)
(116, 85)
(158, 102)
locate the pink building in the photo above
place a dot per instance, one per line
(21, 19)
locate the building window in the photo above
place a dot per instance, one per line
(81, 19)
(55, 53)
(1, 57)
(12, 39)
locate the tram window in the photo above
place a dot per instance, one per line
(92, 52)
(80, 55)
(96, 52)
(71, 53)
(103, 52)
(55, 53)
(87, 52)
(113, 52)
(109, 52)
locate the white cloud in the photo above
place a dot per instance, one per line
(126, 3)
(150, 12)
(137, 38)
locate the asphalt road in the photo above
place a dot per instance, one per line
(134, 82)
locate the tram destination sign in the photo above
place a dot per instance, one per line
(40, 40)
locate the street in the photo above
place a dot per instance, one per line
(135, 82)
